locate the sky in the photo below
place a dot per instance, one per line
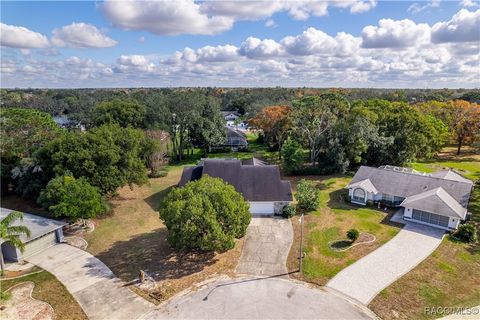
(352, 43)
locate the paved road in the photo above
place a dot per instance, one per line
(364, 279)
(266, 247)
(260, 298)
(100, 294)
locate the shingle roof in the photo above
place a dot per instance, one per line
(437, 201)
(255, 182)
(451, 175)
(37, 225)
(409, 184)
(366, 184)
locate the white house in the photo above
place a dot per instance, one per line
(259, 183)
(439, 199)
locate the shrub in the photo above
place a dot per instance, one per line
(207, 214)
(73, 198)
(308, 196)
(353, 234)
(292, 156)
(289, 211)
(466, 233)
(158, 174)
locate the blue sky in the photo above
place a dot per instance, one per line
(103, 44)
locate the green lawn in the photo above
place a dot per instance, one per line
(468, 168)
(331, 222)
(49, 289)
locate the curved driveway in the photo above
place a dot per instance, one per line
(364, 279)
(100, 294)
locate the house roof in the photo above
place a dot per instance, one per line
(255, 182)
(235, 134)
(437, 201)
(451, 175)
(37, 225)
(404, 184)
(366, 185)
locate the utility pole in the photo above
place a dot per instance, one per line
(301, 244)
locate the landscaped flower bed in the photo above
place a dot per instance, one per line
(345, 244)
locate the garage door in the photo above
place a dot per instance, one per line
(40, 244)
(430, 218)
(262, 208)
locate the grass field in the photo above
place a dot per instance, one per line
(49, 289)
(331, 222)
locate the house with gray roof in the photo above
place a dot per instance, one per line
(44, 233)
(259, 183)
(439, 199)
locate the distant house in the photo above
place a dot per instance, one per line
(439, 199)
(231, 118)
(236, 139)
(259, 183)
(44, 234)
(64, 122)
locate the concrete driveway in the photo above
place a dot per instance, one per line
(260, 298)
(100, 294)
(266, 247)
(364, 279)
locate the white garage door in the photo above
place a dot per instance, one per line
(39, 244)
(262, 208)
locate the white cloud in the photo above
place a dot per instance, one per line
(313, 41)
(212, 17)
(270, 23)
(395, 34)
(81, 35)
(134, 62)
(164, 17)
(259, 49)
(463, 27)
(21, 37)
(416, 7)
(470, 3)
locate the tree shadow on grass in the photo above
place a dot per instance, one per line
(154, 200)
(150, 252)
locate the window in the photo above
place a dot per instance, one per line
(392, 200)
(359, 195)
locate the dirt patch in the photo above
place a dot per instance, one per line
(21, 305)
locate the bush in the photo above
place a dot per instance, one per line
(289, 211)
(76, 199)
(207, 214)
(292, 156)
(353, 234)
(466, 233)
(308, 196)
(158, 174)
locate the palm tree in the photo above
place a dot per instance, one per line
(11, 234)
